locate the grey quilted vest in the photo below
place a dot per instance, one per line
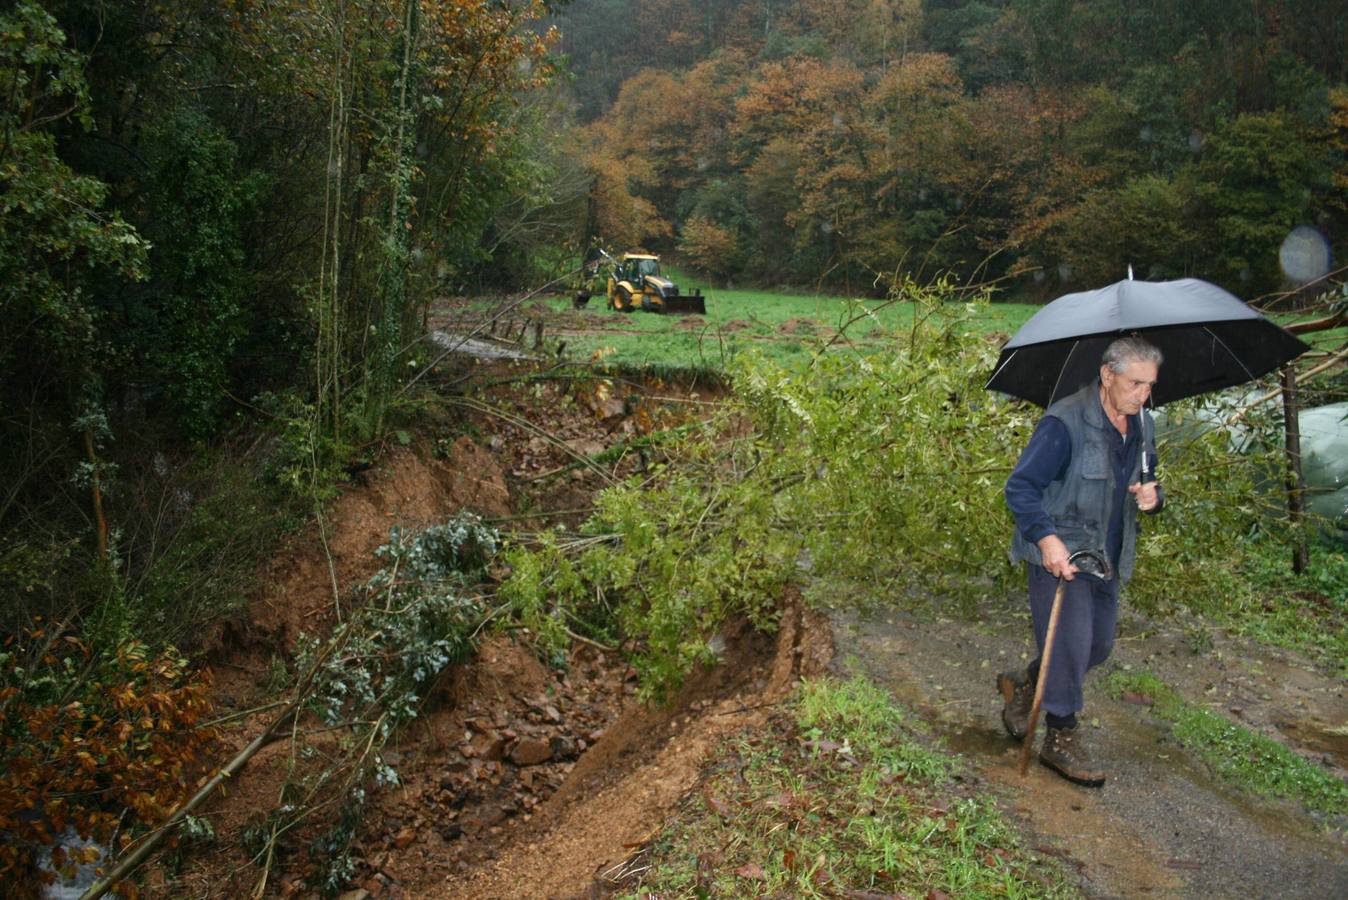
(1079, 502)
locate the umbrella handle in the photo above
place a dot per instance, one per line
(1148, 475)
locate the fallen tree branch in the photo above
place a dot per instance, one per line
(584, 640)
(1333, 321)
(1333, 360)
(526, 425)
(133, 860)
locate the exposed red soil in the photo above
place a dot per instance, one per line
(406, 489)
(622, 790)
(517, 777)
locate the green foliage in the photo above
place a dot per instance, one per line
(186, 322)
(197, 536)
(675, 570)
(847, 467)
(1190, 554)
(849, 799)
(417, 617)
(307, 459)
(1259, 176)
(58, 246)
(896, 458)
(1221, 547)
(880, 460)
(546, 589)
(1142, 221)
(1253, 761)
(54, 233)
(1308, 612)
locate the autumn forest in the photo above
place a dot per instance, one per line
(1046, 142)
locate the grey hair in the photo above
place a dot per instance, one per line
(1130, 350)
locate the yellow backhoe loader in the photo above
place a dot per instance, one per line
(634, 282)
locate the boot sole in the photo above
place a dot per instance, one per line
(1083, 780)
(1007, 687)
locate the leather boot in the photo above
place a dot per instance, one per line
(1018, 692)
(1065, 753)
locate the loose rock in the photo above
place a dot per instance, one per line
(530, 752)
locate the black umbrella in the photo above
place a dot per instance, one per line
(1211, 340)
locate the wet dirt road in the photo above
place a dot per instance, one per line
(1162, 825)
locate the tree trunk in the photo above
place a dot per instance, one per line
(96, 488)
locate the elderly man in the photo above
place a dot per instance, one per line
(1078, 486)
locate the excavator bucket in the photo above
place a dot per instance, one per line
(686, 304)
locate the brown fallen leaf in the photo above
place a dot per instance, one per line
(1137, 698)
(752, 870)
(718, 806)
(995, 856)
(937, 894)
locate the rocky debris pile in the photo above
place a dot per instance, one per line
(579, 420)
(498, 762)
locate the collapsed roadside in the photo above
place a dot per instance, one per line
(708, 519)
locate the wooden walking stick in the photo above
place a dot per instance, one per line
(1091, 563)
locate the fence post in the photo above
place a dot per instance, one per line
(1293, 479)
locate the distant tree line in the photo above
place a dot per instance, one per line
(1052, 141)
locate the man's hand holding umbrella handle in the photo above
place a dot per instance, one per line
(1144, 493)
(1056, 557)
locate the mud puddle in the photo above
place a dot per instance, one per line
(1331, 740)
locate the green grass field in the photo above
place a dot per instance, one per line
(784, 327)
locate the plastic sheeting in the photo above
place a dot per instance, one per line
(1324, 448)
(1324, 460)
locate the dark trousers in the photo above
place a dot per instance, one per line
(1090, 611)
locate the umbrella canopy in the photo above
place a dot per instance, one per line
(1211, 340)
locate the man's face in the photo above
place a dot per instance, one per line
(1128, 390)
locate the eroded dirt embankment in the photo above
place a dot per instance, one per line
(518, 779)
(622, 790)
